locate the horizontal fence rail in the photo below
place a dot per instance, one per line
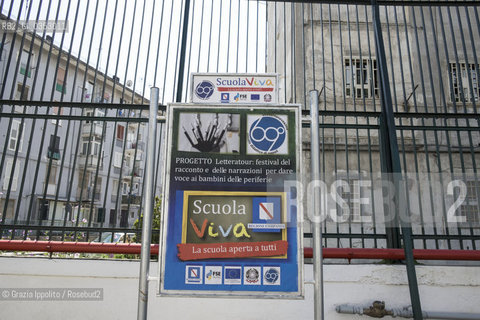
(328, 253)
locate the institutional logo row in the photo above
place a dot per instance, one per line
(232, 275)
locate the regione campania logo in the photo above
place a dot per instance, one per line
(193, 274)
(267, 134)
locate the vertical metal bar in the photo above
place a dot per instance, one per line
(12, 48)
(73, 165)
(41, 98)
(104, 124)
(140, 113)
(219, 35)
(168, 54)
(266, 39)
(160, 28)
(104, 205)
(292, 48)
(209, 37)
(395, 90)
(10, 121)
(32, 128)
(434, 97)
(200, 36)
(413, 88)
(177, 54)
(238, 36)
(143, 97)
(317, 226)
(229, 32)
(472, 98)
(159, 172)
(313, 48)
(50, 162)
(59, 183)
(475, 91)
(20, 134)
(347, 169)
(424, 90)
(363, 80)
(148, 205)
(4, 37)
(374, 100)
(332, 55)
(392, 148)
(323, 91)
(256, 38)
(119, 195)
(246, 39)
(454, 100)
(190, 51)
(445, 106)
(304, 55)
(90, 144)
(372, 193)
(284, 53)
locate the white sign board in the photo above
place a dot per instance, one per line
(235, 88)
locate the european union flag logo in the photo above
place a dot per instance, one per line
(255, 97)
(232, 273)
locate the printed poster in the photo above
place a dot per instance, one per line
(231, 222)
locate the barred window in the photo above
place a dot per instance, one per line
(470, 208)
(16, 137)
(464, 79)
(24, 61)
(361, 79)
(60, 83)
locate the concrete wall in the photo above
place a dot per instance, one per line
(452, 289)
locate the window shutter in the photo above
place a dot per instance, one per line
(8, 171)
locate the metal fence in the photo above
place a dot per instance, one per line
(72, 123)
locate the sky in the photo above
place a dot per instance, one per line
(139, 40)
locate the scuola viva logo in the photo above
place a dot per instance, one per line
(267, 134)
(252, 82)
(204, 90)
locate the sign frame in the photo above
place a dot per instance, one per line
(164, 226)
(234, 76)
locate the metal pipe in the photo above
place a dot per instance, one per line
(405, 312)
(148, 205)
(328, 253)
(316, 224)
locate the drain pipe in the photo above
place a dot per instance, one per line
(377, 310)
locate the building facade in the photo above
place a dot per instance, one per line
(81, 172)
(432, 76)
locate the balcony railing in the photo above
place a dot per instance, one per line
(92, 162)
(93, 128)
(131, 199)
(139, 146)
